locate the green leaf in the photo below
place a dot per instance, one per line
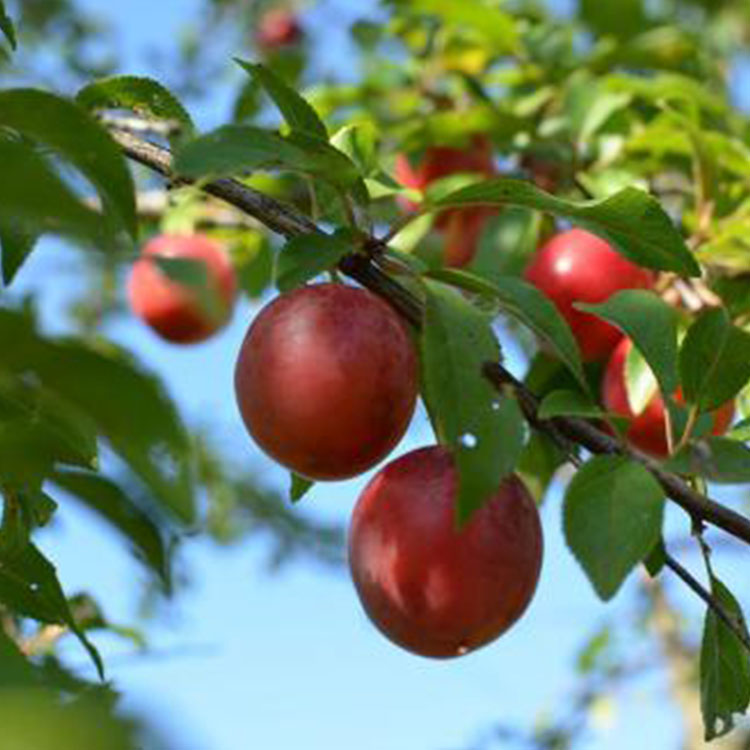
(193, 276)
(538, 463)
(640, 382)
(42, 720)
(604, 105)
(15, 669)
(18, 595)
(706, 169)
(717, 459)
(26, 454)
(367, 34)
(525, 303)
(484, 430)
(234, 149)
(39, 430)
(129, 407)
(547, 373)
(300, 487)
(652, 326)
(24, 511)
(144, 96)
(306, 256)
(631, 220)
(298, 113)
(60, 430)
(568, 403)
(15, 532)
(322, 156)
(41, 507)
(597, 652)
(613, 512)
(411, 238)
(29, 586)
(253, 262)
(77, 137)
(16, 244)
(495, 26)
(359, 143)
(404, 263)
(110, 502)
(714, 360)
(656, 559)
(6, 26)
(623, 20)
(507, 243)
(740, 431)
(382, 185)
(31, 193)
(669, 87)
(724, 667)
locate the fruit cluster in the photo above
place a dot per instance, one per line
(579, 267)
(327, 380)
(572, 267)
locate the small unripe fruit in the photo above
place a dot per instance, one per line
(429, 586)
(172, 310)
(647, 430)
(577, 266)
(327, 380)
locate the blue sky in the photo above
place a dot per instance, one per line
(283, 662)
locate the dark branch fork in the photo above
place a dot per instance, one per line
(289, 222)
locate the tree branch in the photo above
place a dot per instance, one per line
(279, 217)
(583, 433)
(289, 222)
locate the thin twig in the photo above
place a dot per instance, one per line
(279, 217)
(713, 604)
(289, 222)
